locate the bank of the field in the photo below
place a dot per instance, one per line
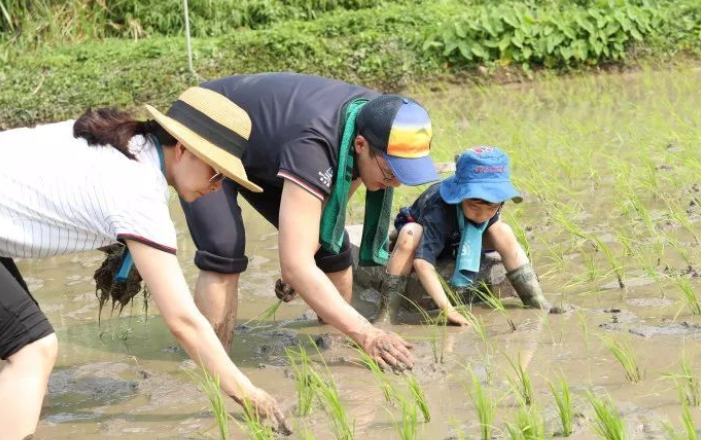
(386, 45)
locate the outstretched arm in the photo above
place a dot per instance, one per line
(300, 214)
(161, 272)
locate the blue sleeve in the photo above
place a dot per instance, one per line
(436, 230)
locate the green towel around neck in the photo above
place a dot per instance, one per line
(378, 204)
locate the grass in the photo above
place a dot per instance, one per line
(257, 430)
(329, 399)
(267, 313)
(304, 383)
(389, 392)
(522, 382)
(626, 357)
(419, 396)
(687, 382)
(211, 388)
(688, 295)
(487, 296)
(563, 401)
(689, 432)
(485, 407)
(408, 428)
(529, 425)
(608, 423)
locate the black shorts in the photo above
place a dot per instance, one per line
(21, 321)
(217, 228)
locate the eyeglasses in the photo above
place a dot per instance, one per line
(387, 176)
(216, 178)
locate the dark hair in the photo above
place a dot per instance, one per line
(110, 126)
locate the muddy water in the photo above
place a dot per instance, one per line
(127, 378)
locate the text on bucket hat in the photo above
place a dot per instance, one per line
(213, 128)
(401, 128)
(480, 173)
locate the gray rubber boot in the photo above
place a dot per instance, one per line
(392, 289)
(525, 283)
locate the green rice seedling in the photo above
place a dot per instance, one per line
(563, 400)
(257, 430)
(408, 428)
(211, 388)
(529, 425)
(608, 423)
(493, 301)
(680, 215)
(687, 421)
(436, 331)
(688, 295)
(301, 366)
(687, 382)
(485, 407)
(680, 249)
(330, 400)
(388, 390)
(267, 313)
(419, 396)
(627, 357)
(613, 261)
(691, 382)
(522, 382)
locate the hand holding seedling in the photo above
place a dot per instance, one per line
(261, 405)
(284, 291)
(389, 350)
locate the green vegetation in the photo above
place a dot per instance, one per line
(627, 357)
(417, 393)
(522, 382)
(688, 422)
(303, 374)
(608, 424)
(84, 53)
(563, 401)
(210, 386)
(485, 407)
(529, 425)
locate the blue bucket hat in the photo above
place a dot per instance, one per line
(480, 173)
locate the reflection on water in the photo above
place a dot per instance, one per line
(126, 377)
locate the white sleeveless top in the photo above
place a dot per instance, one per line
(58, 195)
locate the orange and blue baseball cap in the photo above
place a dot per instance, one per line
(480, 173)
(401, 128)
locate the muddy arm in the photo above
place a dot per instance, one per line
(300, 213)
(162, 274)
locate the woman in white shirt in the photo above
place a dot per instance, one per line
(70, 187)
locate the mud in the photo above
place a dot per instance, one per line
(127, 377)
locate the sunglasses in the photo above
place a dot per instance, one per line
(387, 176)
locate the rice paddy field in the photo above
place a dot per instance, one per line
(609, 167)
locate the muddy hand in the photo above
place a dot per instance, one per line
(284, 291)
(266, 407)
(456, 318)
(389, 350)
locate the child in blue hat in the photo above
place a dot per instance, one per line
(451, 219)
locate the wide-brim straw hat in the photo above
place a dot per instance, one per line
(213, 128)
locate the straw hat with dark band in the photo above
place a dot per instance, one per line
(213, 128)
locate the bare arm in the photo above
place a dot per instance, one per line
(429, 279)
(300, 214)
(162, 274)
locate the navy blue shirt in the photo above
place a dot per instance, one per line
(441, 232)
(296, 128)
